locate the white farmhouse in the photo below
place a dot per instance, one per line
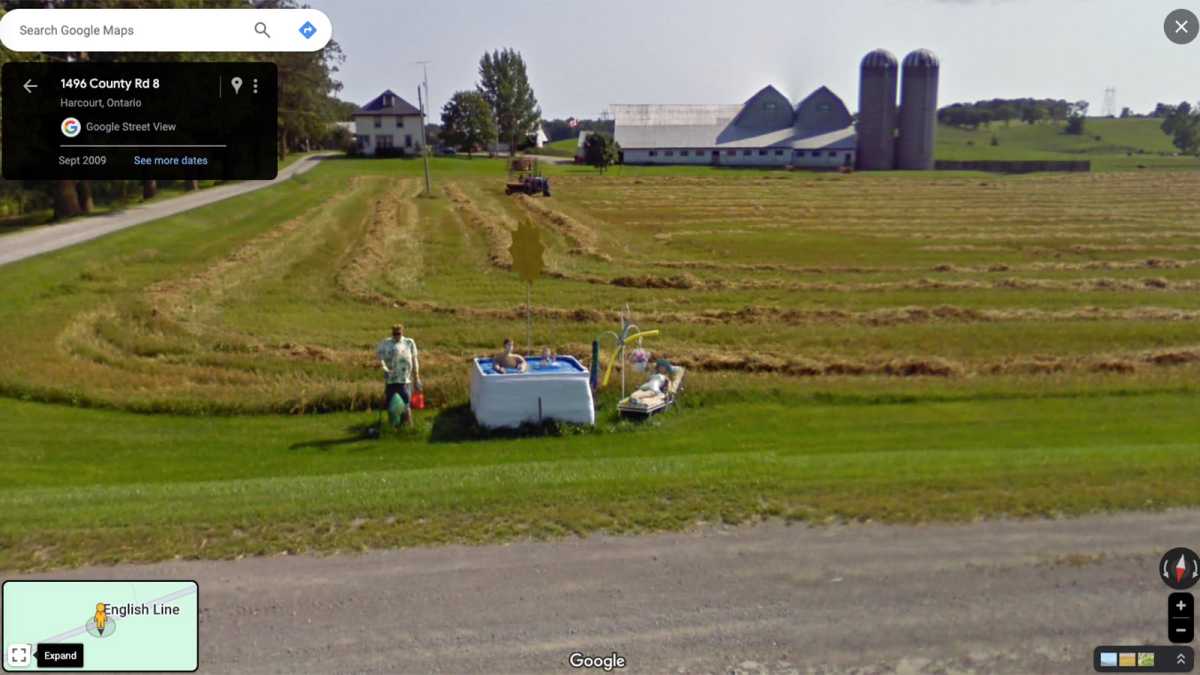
(388, 125)
(766, 130)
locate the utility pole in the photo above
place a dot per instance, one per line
(424, 142)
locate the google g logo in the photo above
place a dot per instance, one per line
(71, 127)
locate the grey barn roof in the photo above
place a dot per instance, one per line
(765, 120)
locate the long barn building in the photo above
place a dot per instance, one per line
(766, 130)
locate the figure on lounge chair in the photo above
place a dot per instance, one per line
(658, 392)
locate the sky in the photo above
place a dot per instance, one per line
(583, 56)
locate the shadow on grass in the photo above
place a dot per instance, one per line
(355, 433)
(457, 424)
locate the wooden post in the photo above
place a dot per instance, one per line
(529, 317)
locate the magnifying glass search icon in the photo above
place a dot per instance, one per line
(261, 29)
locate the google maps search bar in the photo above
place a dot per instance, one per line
(165, 30)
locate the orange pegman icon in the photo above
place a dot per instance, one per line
(101, 617)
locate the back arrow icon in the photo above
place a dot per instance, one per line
(29, 86)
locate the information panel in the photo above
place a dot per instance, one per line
(94, 120)
(101, 625)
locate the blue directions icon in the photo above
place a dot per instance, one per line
(308, 30)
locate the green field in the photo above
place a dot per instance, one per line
(563, 148)
(1110, 144)
(871, 346)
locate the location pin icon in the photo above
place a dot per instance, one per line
(237, 84)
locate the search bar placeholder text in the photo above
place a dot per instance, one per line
(165, 30)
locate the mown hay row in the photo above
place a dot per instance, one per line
(391, 235)
(583, 239)
(497, 236)
(711, 360)
(944, 268)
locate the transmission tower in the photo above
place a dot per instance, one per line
(1110, 102)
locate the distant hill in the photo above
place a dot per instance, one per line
(1109, 143)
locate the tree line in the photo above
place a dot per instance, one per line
(1025, 110)
(501, 107)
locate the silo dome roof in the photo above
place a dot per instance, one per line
(880, 58)
(921, 58)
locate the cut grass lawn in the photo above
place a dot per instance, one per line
(107, 486)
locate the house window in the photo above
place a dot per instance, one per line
(408, 140)
(383, 141)
(762, 153)
(362, 140)
(832, 153)
(683, 153)
(779, 153)
(653, 153)
(387, 101)
(378, 122)
(669, 153)
(747, 153)
(799, 153)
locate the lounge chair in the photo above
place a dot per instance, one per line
(629, 407)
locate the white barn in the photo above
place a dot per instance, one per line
(764, 131)
(388, 124)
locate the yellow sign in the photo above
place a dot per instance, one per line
(526, 251)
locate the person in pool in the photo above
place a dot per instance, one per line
(658, 383)
(548, 358)
(509, 361)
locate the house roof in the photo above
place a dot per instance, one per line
(387, 103)
(763, 121)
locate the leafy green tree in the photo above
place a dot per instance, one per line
(1126, 112)
(468, 121)
(1183, 126)
(1075, 124)
(600, 151)
(504, 83)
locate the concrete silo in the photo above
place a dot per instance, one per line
(918, 110)
(877, 111)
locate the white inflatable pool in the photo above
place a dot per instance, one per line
(557, 390)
